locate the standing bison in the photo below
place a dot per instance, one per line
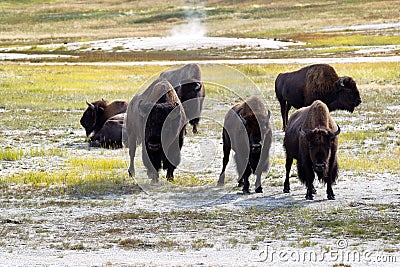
(311, 138)
(190, 90)
(110, 135)
(247, 131)
(98, 112)
(156, 119)
(315, 82)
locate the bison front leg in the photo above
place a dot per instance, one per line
(306, 175)
(258, 186)
(152, 162)
(170, 170)
(194, 122)
(332, 175)
(329, 191)
(245, 177)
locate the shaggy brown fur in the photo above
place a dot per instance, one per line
(320, 81)
(311, 139)
(99, 112)
(160, 96)
(315, 82)
(247, 131)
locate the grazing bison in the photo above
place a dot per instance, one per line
(315, 82)
(156, 119)
(311, 138)
(247, 131)
(110, 135)
(190, 90)
(99, 112)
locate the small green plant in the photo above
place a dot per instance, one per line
(11, 154)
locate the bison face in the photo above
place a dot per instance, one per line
(319, 142)
(256, 127)
(188, 91)
(347, 97)
(89, 117)
(158, 123)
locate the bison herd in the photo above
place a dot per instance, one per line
(157, 119)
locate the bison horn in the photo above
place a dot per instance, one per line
(341, 81)
(198, 86)
(337, 132)
(90, 104)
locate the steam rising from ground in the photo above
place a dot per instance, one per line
(193, 27)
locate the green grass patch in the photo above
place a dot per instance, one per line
(327, 40)
(11, 154)
(372, 164)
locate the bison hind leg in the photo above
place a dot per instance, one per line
(288, 166)
(194, 122)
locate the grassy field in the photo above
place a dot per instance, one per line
(58, 198)
(39, 100)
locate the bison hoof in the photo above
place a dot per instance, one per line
(331, 197)
(314, 191)
(170, 179)
(309, 197)
(286, 190)
(246, 191)
(259, 189)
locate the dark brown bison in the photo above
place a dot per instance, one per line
(98, 112)
(315, 82)
(311, 138)
(110, 135)
(248, 133)
(157, 120)
(190, 89)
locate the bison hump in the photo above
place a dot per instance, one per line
(320, 81)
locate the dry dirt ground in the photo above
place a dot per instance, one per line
(172, 226)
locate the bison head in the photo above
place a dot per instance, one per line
(319, 143)
(188, 91)
(90, 117)
(256, 127)
(347, 96)
(160, 118)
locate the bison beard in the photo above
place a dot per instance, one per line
(157, 155)
(315, 82)
(312, 140)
